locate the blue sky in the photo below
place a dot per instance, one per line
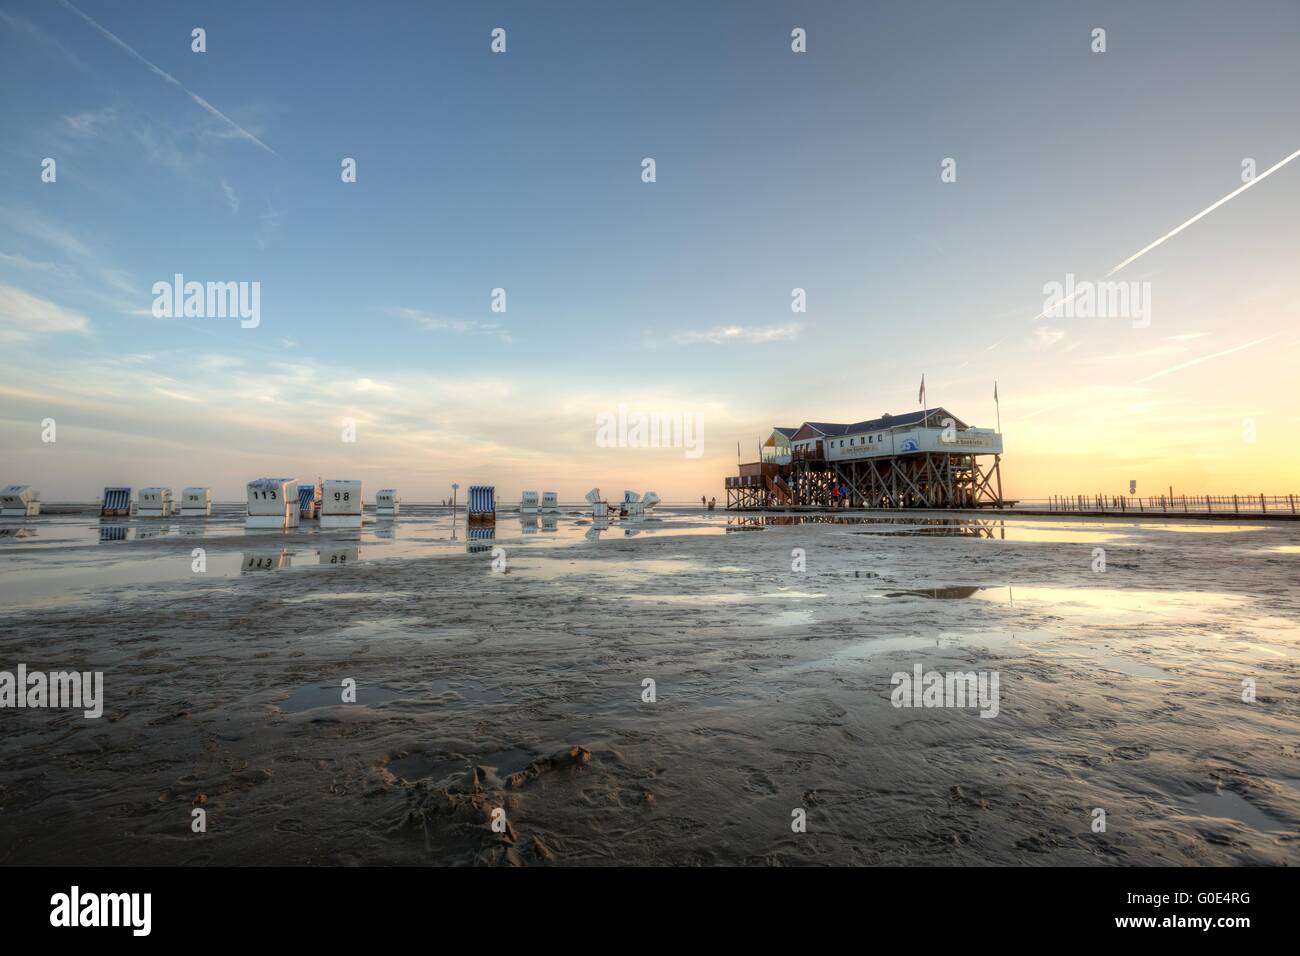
(775, 170)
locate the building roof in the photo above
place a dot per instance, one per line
(833, 429)
(787, 432)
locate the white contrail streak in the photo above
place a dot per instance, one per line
(1204, 358)
(1169, 235)
(175, 82)
(1205, 212)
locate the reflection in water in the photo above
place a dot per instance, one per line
(480, 539)
(549, 523)
(112, 532)
(340, 555)
(265, 560)
(16, 532)
(942, 594)
(528, 525)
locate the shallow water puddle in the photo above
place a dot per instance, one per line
(1226, 805)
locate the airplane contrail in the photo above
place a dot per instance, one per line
(1204, 358)
(175, 82)
(1205, 212)
(1173, 232)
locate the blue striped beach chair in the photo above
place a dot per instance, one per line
(482, 504)
(117, 503)
(308, 502)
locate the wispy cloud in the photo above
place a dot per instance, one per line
(245, 134)
(726, 334)
(231, 198)
(44, 230)
(23, 315)
(436, 323)
(91, 122)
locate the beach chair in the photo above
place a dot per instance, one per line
(599, 507)
(196, 502)
(116, 504)
(155, 503)
(528, 502)
(387, 503)
(19, 501)
(550, 501)
(272, 503)
(340, 504)
(482, 504)
(649, 500)
(631, 507)
(308, 502)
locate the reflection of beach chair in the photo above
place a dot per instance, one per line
(528, 502)
(117, 503)
(482, 504)
(599, 506)
(20, 501)
(387, 504)
(480, 539)
(112, 532)
(340, 555)
(340, 504)
(549, 522)
(265, 561)
(196, 502)
(308, 502)
(550, 501)
(528, 524)
(155, 503)
(272, 503)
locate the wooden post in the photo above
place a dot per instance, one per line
(1263, 509)
(1235, 506)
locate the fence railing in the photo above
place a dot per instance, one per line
(1167, 504)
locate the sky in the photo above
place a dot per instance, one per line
(523, 171)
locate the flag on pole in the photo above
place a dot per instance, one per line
(995, 390)
(920, 396)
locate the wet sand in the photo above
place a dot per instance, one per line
(522, 690)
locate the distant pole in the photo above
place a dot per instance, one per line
(997, 405)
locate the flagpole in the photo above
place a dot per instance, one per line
(997, 404)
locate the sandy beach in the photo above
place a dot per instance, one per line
(522, 689)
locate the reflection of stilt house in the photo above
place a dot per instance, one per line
(926, 459)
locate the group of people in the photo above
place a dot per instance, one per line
(708, 503)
